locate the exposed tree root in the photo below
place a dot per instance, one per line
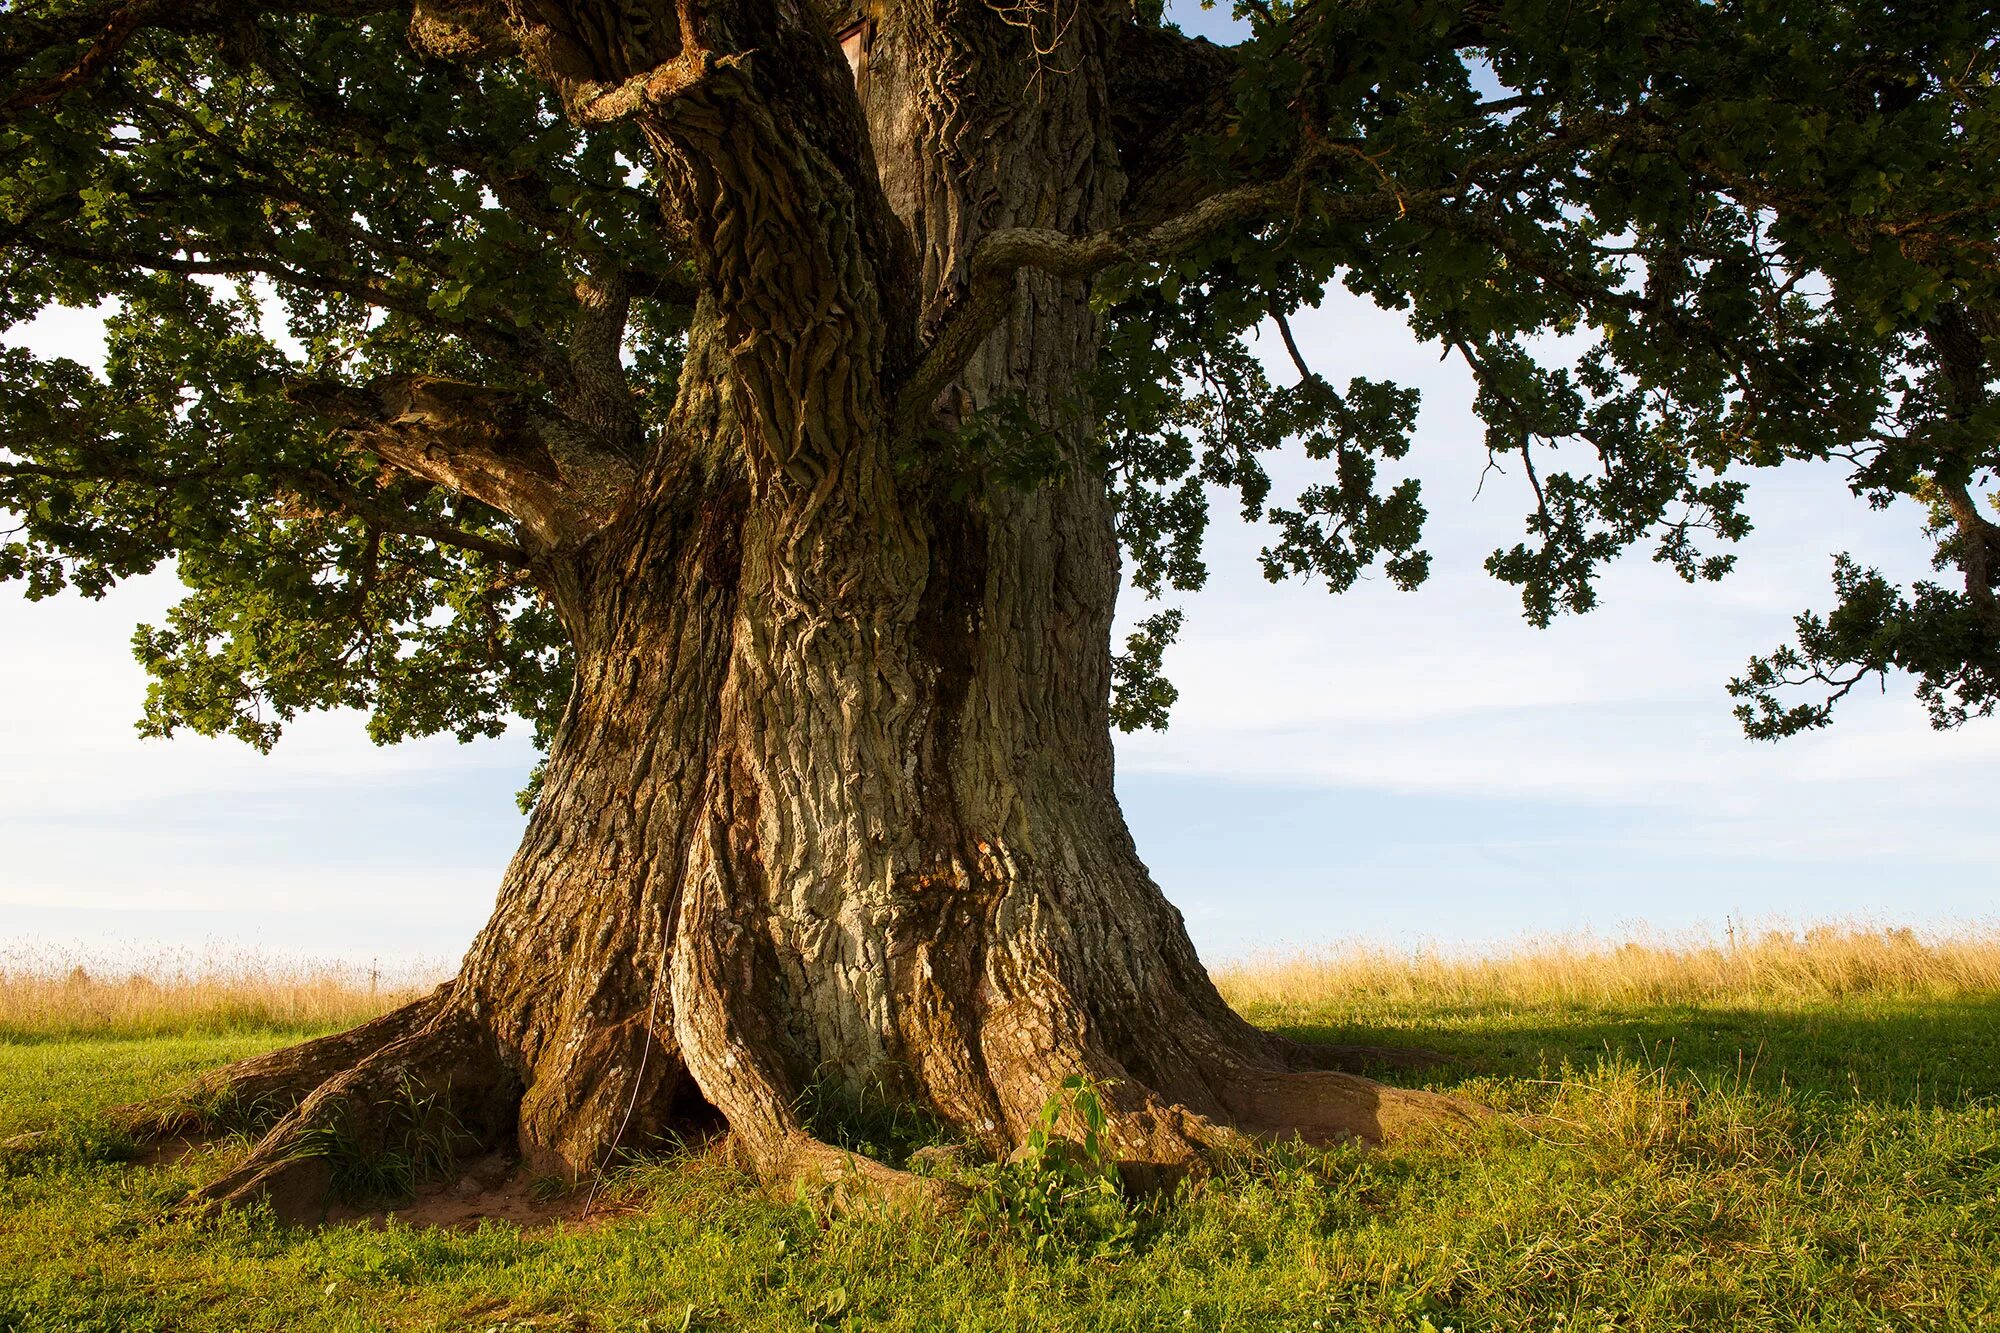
(1324, 1107)
(844, 1182)
(1158, 1142)
(394, 1101)
(252, 1093)
(387, 1106)
(264, 1088)
(405, 1111)
(618, 1086)
(1155, 1141)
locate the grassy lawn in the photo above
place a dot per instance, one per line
(1757, 1156)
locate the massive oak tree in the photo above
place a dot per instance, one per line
(757, 394)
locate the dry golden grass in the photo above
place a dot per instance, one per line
(46, 995)
(1768, 965)
(62, 994)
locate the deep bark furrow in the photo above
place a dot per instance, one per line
(572, 973)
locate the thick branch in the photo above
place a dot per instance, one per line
(592, 104)
(1955, 341)
(385, 520)
(1979, 545)
(118, 470)
(543, 470)
(1006, 252)
(1168, 91)
(521, 189)
(117, 29)
(503, 344)
(593, 386)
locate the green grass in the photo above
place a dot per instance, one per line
(1813, 1164)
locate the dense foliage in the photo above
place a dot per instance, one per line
(1672, 241)
(286, 201)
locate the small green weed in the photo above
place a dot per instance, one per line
(1062, 1194)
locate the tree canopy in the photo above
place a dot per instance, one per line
(1672, 242)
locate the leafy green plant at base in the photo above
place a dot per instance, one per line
(1058, 1194)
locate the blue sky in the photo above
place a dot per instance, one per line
(1408, 768)
(1425, 765)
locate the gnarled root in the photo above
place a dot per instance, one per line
(253, 1093)
(846, 1182)
(379, 1108)
(1325, 1107)
(1250, 1101)
(400, 1114)
(731, 1050)
(396, 1099)
(265, 1087)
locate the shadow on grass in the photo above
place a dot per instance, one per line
(1891, 1052)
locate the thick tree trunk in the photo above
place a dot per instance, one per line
(833, 803)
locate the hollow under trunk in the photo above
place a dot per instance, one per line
(832, 805)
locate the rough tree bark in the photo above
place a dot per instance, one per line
(832, 802)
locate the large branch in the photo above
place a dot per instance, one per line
(504, 344)
(592, 103)
(544, 470)
(1174, 97)
(519, 187)
(1955, 340)
(264, 184)
(386, 518)
(1009, 251)
(327, 491)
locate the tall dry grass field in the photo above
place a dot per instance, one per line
(69, 993)
(57, 994)
(1769, 965)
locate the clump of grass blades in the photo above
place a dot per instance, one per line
(421, 1143)
(1621, 1110)
(211, 1108)
(869, 1121)
(75, 1139)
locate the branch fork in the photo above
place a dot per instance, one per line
(520, 457)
